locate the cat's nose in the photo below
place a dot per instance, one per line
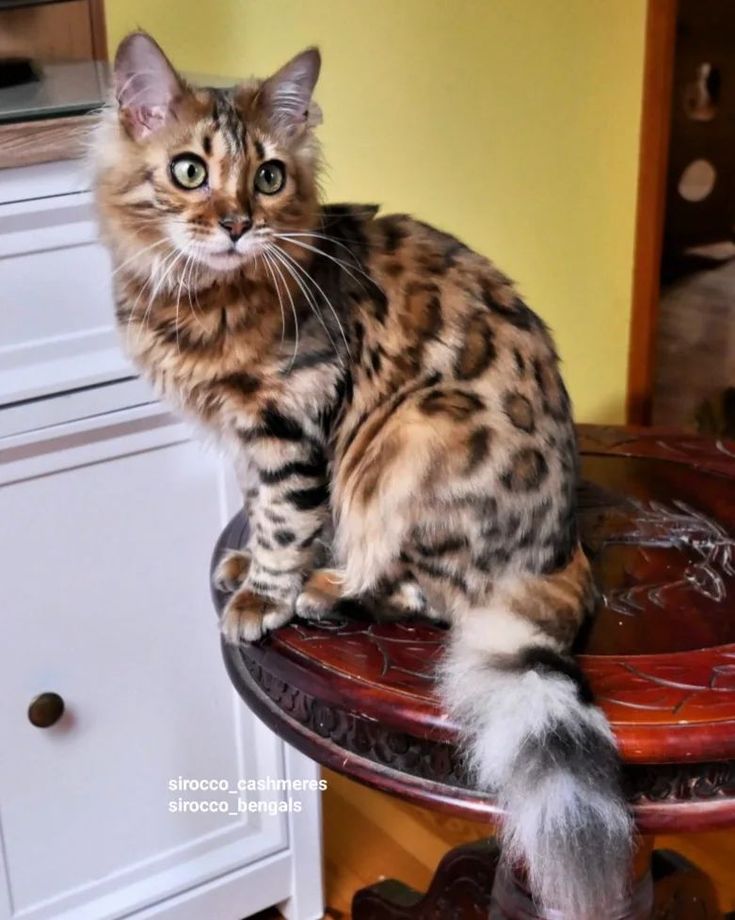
(235, 225)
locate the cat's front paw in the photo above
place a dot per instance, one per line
(232, 570)
(248, 616)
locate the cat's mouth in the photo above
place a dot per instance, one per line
(230, 258)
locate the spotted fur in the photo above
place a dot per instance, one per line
(396, 413)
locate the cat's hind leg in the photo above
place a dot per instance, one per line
(320, 595)
(398, 597)
(399, 471)
(402, 598)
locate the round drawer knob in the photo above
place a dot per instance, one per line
(45, 710)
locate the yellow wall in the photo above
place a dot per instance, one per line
(511, 123)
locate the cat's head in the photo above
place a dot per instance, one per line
(212, 176)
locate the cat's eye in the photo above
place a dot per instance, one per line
(270, 177)
(188, 171)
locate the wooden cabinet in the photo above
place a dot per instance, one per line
(109, 511)
(70, 31)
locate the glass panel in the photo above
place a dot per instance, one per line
(64, 89)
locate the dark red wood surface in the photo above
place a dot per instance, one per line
(657, 514)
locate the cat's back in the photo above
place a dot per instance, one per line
(448, 307)
(409, 254)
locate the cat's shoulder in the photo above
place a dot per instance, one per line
(437, 249)
(394, 228)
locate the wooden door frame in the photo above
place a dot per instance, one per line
(653, 161)
(98, 28)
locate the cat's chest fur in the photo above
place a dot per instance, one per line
(226, 357)
(210, 355)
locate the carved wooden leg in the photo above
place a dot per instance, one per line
(469, 885)
(512, 900)
(682, 891)
(460, 890)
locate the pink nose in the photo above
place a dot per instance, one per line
(235, 225)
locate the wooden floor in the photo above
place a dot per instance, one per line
(369, 836)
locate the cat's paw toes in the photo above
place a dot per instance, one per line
(232, 570)
(319, 596)
(407, 600)
(249, 616)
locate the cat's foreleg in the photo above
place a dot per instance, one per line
(234, 565)
(287, 514)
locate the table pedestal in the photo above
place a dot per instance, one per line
(470, 884)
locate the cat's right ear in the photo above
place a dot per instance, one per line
(146, 85)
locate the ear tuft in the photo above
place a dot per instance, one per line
(146, 85)
(287, 95)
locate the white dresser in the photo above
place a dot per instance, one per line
(109, 511)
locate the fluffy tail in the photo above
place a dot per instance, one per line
(533, 736)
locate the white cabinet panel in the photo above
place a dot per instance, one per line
(57, 327)
(105, 601)
(68, 299)
(64, 177)
(25, 418)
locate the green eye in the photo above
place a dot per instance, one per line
(270, 177)
(188, 171)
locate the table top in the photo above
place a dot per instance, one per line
(657, 514)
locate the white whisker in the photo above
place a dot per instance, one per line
(164, 275)
(338, 241)
(148, 281)
(269, 265)
(291, 238)
(303, 271)
(184, 282)
(261, 256)
(137, 255)
(280, 255)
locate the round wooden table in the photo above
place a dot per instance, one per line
(657, 510)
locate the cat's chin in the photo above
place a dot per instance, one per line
(228, 261)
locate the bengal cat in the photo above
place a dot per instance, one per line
(398, 417)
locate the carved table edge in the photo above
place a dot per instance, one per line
(663, 797)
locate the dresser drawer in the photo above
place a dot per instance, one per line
(106, 531)
(56, 302)
(34, 415)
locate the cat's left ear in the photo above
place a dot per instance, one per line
(286, 96)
